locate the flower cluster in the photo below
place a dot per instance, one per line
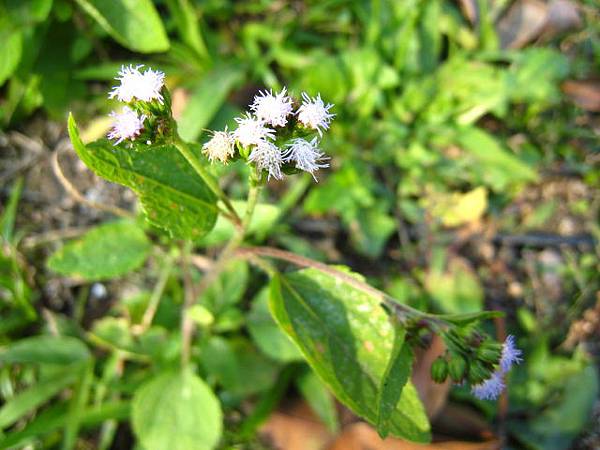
(134, 86)
(274, 136)
(484, 364)
(492, 387)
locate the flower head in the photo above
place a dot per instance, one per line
(306, 155)
(489, 389)
(126, 125)
(314, 113)
(510, 354)
(267, 156)
(220, 146)
(144, 86)
(273, 109)
(251, 131)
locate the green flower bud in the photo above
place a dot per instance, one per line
(439, 370)
(457, 367)
(479, 371)
(489, 351)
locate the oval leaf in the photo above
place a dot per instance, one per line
(347, 338)
(107, 251)
(173, 196)
(135, 24)
(45, 349)
(178, 411)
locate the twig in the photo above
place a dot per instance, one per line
(155, 297)
(73, 192)
(53, 235)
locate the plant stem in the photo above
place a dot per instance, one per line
(184, 149)
(187, 325)
(156, 295)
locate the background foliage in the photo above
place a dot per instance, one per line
(464, 177)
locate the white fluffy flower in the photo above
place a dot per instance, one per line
(306, 155)
(126, 125)
(273, 109)
(220, 146)
(251, 131)
(144, 86)
(314, 113)
(267, 156)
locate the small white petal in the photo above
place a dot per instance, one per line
(306, 155)
(220, 146)
(126, 125)
(314, 113)
(267, 156)
(272, 109)
(251, 131)
(144, 86)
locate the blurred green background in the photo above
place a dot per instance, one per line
(464, 176)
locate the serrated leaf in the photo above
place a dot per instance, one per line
(178, 411)
(135, 24)
(60, 350)
(173, 196)
(347, 338)
(107, 251)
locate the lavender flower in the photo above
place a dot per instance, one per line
(306, 155)
(144, 86)
(126, 125)
(220, 146)
(314, 113)
(272, 109)
(267, 156)
(489, 389)
(510, 354)
(251, 131)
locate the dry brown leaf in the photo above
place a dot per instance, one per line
(361, 436)
(584, 93)
(563, 15)
(523, 23)
(296, 428)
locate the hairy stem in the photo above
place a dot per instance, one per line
(187, 326)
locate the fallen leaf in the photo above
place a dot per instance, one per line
(296, 428)
(361, 436)
(584, 93)
(523, 23)
(563, 15)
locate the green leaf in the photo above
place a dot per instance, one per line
(397, 374)
(178, 411)
(107, 251)
(227, 289)
(35, 395)
(7, 220)
(346, 337)
(61, 350)
(173, 196)
(10, 50)
(319, 399)
(135, 24)
(266, 334)
(188, 25)
(498, 166)
(209, 95)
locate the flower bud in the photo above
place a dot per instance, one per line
(478, 371)
(489, 351)
(457, 367)
(439, 370)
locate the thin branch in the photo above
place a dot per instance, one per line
(73, 192)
